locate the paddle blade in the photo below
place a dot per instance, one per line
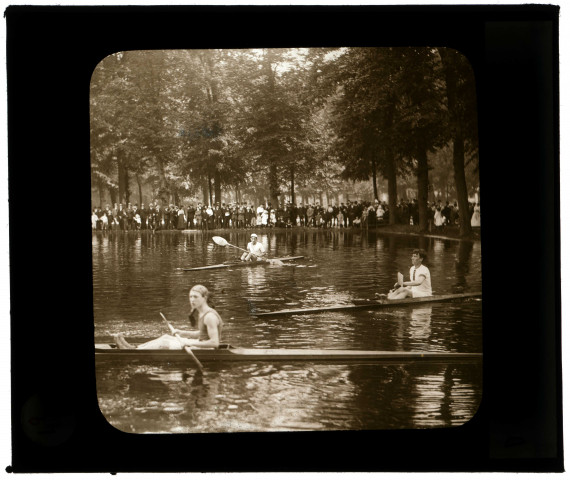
(400, 279)
(220, 241)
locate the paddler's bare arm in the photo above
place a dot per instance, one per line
(211, 322)
(187, 333)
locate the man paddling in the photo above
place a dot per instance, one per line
(420, 279)
(255, 250)
(208, 333)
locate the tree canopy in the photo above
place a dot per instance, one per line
(266, 123)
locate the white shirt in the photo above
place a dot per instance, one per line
(256, 249)
(423, 290)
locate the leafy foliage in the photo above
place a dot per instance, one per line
(266, 122)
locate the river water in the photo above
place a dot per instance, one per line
(136, 275)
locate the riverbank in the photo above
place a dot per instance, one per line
(447, 232)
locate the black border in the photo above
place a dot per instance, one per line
(51, 53)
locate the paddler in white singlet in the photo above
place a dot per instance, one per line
(255, 250)
(419, 284)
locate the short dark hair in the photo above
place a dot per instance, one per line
(421, 252)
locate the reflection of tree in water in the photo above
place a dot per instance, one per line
(449, 397)
(416, 395)
(462, 263)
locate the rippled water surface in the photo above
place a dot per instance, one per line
(136, 275)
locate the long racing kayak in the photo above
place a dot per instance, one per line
(242, 264)
(370, 305)
(227, 353)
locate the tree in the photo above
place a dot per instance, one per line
(461, 104)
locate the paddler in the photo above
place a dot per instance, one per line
(419, 284)
(255, 250)
(207, 335)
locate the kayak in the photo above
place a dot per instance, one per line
(227, 353)
(242, 264)
(370, 305)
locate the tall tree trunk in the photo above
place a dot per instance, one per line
(127, 186)
(451, 80)
(205, 191)
(218, 187)
(210, 199)
(273, 185)
(140, 188)
(120, 175)
(461, 185)
(423, 182)
(374, 180)
(101, 195)
(124, 192)
(293, 185)
(392, 185)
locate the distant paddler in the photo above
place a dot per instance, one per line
(419, 284)
(255, 250)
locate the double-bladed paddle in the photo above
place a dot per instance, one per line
(187, 349)
(224, 243)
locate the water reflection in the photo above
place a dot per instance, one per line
(420, 325)
(138, 274)
(285, 397)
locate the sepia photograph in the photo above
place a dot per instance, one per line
(286, 239)
(249, 239)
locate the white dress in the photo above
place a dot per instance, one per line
(438, 218)
(476, 218)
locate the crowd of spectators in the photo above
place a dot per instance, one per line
(234, 215)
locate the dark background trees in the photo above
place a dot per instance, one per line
(267, 125)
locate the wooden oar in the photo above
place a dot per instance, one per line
(224, 243)
(187, 349)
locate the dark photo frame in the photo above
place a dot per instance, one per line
(51, 54)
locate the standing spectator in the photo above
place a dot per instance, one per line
(242, 211)
(104, 221)
(94, 219)
(190, 212)
(123, 224)
(310, 216)
(438, 219)
(259, 214)
(250, 217)
(379, 213)
(160, 217)
(180, 218)
(340, 216)
(302, 214)
(350, 213)
(143, 212)
(446, 212)
(210, 217)
(455, 214)
(476, 217)
(318, 216)
(115, 222)
(198, 217)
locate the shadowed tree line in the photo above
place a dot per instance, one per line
(267, 122)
